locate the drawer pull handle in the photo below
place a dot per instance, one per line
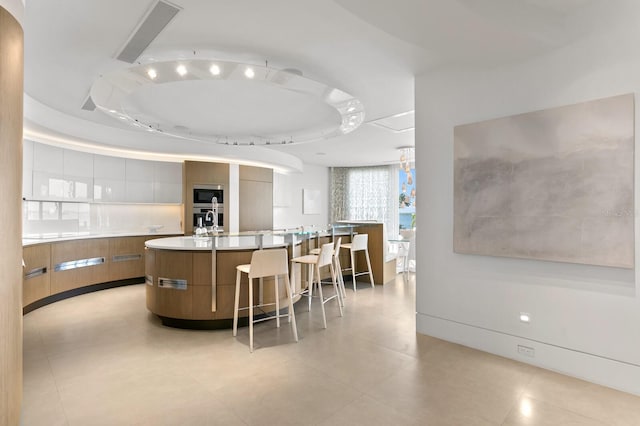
(80, 263)
(35, 273)
(126, 257)
(176, 284)
(148, 279)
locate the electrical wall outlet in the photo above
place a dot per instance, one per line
(526, 351)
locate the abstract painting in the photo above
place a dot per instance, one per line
(555, 184)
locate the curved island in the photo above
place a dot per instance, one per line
(191, 282)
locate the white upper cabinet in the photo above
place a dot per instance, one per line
(78, 175)
(109, 179)
(48, 159)
(139, 192)
(76, 163)
(61, 174)
(105, 167)
(48, 172)
(139, 170)
(167, 182)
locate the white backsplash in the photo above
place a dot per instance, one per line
(43, 219)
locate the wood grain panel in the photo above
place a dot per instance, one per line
(174, 303)
(36, 288)
(195, 302)
(202, 269)
(226, 294)
(256, 205)
(260, 174)
(202, 173)
(150, 272)
(376, 244)
(11, 95)
(124, 246)
(80, 277)
(174, 265)
(227, 262)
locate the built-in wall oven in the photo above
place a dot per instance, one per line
(203, 203)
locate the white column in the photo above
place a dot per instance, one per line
(232, 206)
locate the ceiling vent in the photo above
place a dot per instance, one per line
(88, 104)
(397, 123)
(148, 29)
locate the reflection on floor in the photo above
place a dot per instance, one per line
(102, 359)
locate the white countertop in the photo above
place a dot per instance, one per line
(54, 238)
(223, 242)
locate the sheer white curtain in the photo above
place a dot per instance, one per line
(366, 193)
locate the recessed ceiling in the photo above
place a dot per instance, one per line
(233, 108)
(371, 50)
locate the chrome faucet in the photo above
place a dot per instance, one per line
(214, 214)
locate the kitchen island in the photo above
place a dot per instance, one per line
(190, 282)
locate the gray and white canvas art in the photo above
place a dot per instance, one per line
(552, 185)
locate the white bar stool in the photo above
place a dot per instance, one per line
(359, 242)
(403, 255)
(315, 262)
(264, 263)
(336, 267)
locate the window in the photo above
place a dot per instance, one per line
(366, 193)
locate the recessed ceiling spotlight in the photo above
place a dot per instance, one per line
(321, 153)
(249, 72)
(152, 73)
(182, 70)
(215, 69)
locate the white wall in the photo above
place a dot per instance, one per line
(585, 319)
(287, 197)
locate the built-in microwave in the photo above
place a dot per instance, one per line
(203, 194)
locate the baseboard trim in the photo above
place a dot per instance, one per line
(78, 291)
(608, 372)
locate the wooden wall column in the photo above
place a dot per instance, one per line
(11, 89)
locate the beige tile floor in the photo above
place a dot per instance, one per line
(102, 359)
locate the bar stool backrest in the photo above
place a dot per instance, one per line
(336, 247)
(359, 242)
(326, 255)
(269, 263)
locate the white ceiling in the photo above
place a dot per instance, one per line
(369, 49)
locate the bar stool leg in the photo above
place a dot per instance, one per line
(235, 304)
(310, 285)
(366, 252)
(251, 314)
(335, 288)
(277, 301)
(340, 279)
(291, 282)
(353, 269)
(324, 315)
(292, 314)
